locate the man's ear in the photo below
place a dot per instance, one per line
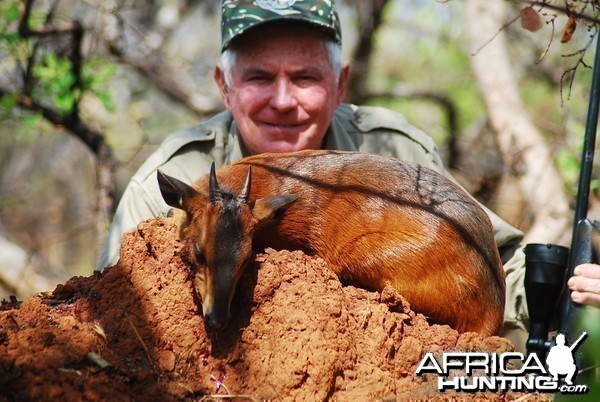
(221, 82)
(265, 208)
(343, 82)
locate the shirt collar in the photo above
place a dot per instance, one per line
(338, 138)
(237, 149)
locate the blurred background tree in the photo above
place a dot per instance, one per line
(89, 88)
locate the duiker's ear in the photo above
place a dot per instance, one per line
(265, 208)
(174, 192)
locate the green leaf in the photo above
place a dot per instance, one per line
(63, 82)
(106, 99)
(65, 102)
(568, 166)
(12, 13)
(12, 38)
(55, 82)
(105, 72)
(8, 101)
(595, 185)
(96, 74)
(32, 120)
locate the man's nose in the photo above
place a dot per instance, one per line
(283, 97)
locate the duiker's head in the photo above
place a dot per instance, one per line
(218, 236)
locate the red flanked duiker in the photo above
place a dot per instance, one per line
(374, 220)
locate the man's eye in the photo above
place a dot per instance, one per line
(305, 80)
(199, 255)
(259, 79)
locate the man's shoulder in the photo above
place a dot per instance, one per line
(377, 120)
(207, 131)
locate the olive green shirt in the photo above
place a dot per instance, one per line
(188, 153)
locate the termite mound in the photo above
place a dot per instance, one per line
(297, 333)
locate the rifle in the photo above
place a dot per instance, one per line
(545, 275)
(576, 343)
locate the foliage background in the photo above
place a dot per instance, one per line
(73, 130)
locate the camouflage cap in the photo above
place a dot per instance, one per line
(240, 15)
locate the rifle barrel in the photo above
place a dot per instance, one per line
(589, 143)
(574, 344)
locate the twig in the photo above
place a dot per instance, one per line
(98, 360)
(14, 320)
(68, 370)
(563, 10)
(26, 32)
(573, 70)
(549, 42)
(140, 340)
(77, 65)
(219, 383)
(502, 28)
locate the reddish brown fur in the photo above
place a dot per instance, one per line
(376, 220)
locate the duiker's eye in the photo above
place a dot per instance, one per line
(199, 256)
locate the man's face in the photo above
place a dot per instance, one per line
(283, 92)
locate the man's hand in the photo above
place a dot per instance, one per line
(585, 284)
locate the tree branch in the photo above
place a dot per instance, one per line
(370, 16)
(565, 10)
(70, 120)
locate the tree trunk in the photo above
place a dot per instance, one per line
(522, 146)
(105, 164)
(370, 17)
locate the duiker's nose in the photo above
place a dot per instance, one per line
(214, 321)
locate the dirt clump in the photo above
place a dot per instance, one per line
(134, 332)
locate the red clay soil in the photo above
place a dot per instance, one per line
(134, 333)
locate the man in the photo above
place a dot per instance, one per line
(282, 80)
(560, 360)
